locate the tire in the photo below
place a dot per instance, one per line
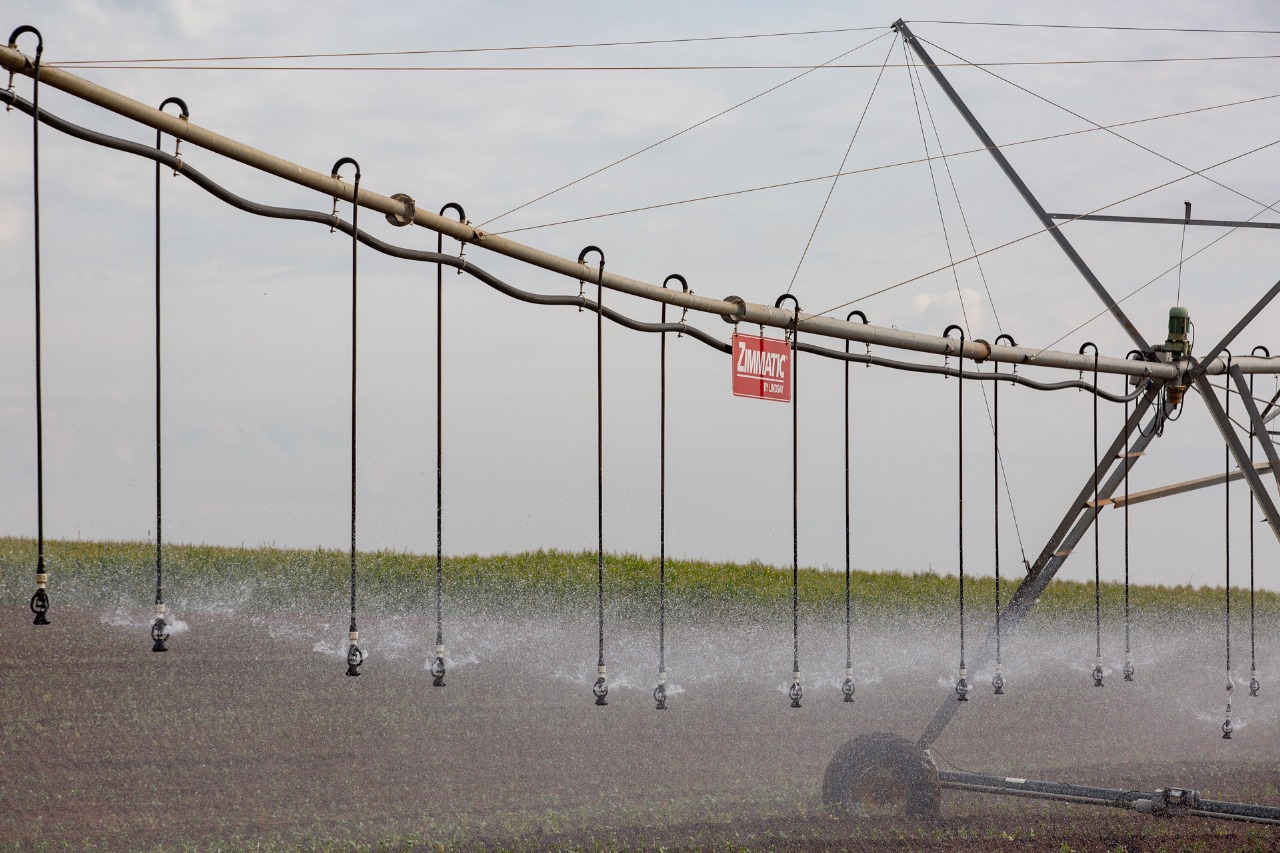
(882, 771)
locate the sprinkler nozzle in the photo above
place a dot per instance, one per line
(1097, 674)
(795, 691)
(601, 688)
(1128, 668)
(847, 687)
(355, 657)
(158, 636)
(1254, 684)
(437, 668)
(1227, 727)
(158, 632)
(40, 601)
(997, 683)
(660, 697)
(962, 687)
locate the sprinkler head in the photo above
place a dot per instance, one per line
(997, 683)
(1097, 675)
(962, 689)
(660, 697)
(1227, 728)
(847, 688)
(159, 635)
(355, 657)
(40, 601)
(1254, 684)
(1128, 670)
(601, 691)
(795, 691)
(437, 671)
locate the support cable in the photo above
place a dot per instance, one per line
(962, 683)
(601, 687)
(461, 264)
(1156, 278)
(1119, 136)
(457, 50)
(665, 139)
(1039, 231)
(1254, 684)
(953, 266)
(355, 656)
(847, 688)
(40, 600)
(796, 692)
(1097, 553)
(660, 692)
(955, 191)
(882, 167)
(159, 634)
(437, 665)
(1182, 249)
(913, 73)
(831, 190)
(1227, 727)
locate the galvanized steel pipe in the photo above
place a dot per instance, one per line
(732, 309)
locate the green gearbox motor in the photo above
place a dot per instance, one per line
(1178, 344)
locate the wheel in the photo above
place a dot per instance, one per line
(882, 773)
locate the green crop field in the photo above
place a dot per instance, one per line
(254, 579)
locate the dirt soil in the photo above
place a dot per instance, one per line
(246, 734)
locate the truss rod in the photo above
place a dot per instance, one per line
(1018, 184)
(1241, 454)
(1257, 426)
(733, 309)
(1162, 220)
(1180, 488)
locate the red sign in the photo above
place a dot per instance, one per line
(761, 368)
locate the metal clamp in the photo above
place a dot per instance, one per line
(184, 114)
(582, 259)
(333, 173)
(13, 45)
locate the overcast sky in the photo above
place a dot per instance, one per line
(257, 312)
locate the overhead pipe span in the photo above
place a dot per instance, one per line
(732, 309)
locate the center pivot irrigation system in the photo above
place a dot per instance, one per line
(864, 768)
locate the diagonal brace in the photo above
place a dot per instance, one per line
(1023, 190)
(1260, 493)
(1230, 336)
(1256, 424)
